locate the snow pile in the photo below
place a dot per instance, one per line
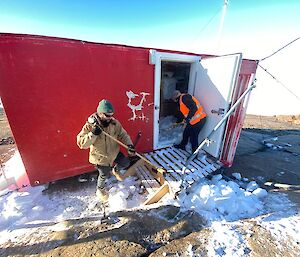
(225, 199)
(125, 194)
(168, 134)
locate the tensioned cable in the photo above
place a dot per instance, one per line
(278, 81)
(280, 49)
(205, 26)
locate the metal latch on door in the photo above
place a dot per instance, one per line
(219, 112)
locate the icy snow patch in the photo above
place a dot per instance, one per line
(283, 219)
(284, 228)
(226, 241)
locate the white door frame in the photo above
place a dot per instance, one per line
(156, 58)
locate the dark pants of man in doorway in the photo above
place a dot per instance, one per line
(191, 133)
(121, 161)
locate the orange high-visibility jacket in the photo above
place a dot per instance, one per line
(199, 114)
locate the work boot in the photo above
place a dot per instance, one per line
(117, 174)
(180, 146)
(102, 195)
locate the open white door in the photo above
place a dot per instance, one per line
(215, 81)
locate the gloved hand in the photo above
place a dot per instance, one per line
(187, 121)
(92, 120)
(131, 150)
(178, 124)
(96, 130)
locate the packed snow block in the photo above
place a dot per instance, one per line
(260, 192)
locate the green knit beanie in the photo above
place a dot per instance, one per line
(105, 106)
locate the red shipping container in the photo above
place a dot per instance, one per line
(49, 86)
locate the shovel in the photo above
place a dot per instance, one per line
(174, 125)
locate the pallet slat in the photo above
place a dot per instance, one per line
(172, 160)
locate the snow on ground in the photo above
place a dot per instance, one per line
(282, 221)
(223, 203)
(226, 241)
(32, 207)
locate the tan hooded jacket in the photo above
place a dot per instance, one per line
(103, 150)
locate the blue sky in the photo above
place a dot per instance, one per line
(151, 23)
(256, 28)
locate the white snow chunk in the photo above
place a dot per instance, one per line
(217, 177)
(260, 193)
(237, 175)
(269, 145)
(252, 186)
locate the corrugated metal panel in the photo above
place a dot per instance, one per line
(235, 122)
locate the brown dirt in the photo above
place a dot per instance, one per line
(136, 233)
(276, 122)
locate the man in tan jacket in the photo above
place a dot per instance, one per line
(104, 151)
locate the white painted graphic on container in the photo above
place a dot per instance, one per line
(137, 108)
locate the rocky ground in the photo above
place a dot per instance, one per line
(156, 233)
(7, 143)
(269, 151)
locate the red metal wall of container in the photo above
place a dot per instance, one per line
(50, 86)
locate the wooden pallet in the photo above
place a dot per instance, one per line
(170, 178)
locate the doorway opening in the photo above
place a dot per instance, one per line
(174, 76)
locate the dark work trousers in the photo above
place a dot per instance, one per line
(191, 133)
(121, 161)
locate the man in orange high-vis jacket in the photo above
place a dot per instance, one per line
(194, 117)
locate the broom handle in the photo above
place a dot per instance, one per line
(122, 144)
(126, 147)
